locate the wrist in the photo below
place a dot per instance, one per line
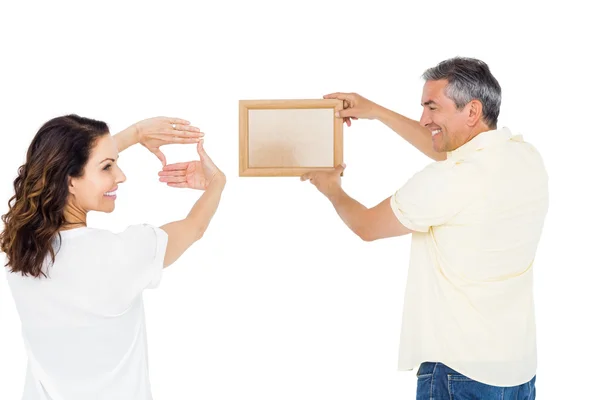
(136, 133)
(131, 135)
(379, 112)
(218, 180)
(335, 193)
(127, 138)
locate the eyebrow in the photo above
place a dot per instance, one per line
(428, 102)
(111, 159)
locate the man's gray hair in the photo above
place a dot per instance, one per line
(469, 79)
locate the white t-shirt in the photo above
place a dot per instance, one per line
(478, 217)
(83, 326)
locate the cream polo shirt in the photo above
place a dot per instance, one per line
(478, 217)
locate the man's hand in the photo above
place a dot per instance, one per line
(355, 107)
(192, 174)
(155, 132)
(328, 182)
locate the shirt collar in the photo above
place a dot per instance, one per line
(483, 140)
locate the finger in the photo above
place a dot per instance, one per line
(307, 176)
(172, 179)
(161, 157)
(173, 139)
(348, 121)
(345, 104)
(178, 121)
(179, 172)
(338, 95)
(346, 113)
(167, 135)
(186, 129)
(340, 168)
(181, 165)
(168, 132)
(177, 185)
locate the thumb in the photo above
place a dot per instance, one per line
(161, 157)
(203, 155)
(340, 168)
(200, 147)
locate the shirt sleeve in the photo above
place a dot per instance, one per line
(435, 194)
(142, 250)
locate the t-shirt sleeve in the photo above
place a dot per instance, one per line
(434, 195)
(142, 253)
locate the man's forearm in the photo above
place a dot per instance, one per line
(411, 131)
(126, 138)
(350, 211)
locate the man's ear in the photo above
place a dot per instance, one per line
(475, 109)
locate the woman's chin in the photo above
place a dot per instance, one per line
(106, 208)
(108, 204)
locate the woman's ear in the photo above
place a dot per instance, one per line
(71, 182)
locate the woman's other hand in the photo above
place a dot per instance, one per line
(192, 174)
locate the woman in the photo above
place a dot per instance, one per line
(78, 290)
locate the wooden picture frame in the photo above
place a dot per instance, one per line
(289, 137)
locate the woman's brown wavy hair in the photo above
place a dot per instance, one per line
(59, 150)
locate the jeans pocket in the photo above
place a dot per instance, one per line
(424, 386)
(426, 369)
(463, 388)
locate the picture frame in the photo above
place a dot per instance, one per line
(289, 137)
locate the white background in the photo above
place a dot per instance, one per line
(280, 300)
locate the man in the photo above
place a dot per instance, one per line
(476, 215)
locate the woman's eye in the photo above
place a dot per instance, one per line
(107, 167)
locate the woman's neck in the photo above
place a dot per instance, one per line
(74, 218)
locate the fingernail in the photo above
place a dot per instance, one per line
(337, 114)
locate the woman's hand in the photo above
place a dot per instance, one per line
(155, 132)
(192, 174)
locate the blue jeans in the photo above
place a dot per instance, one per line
(435, 381)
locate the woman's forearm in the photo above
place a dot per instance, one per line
(127, 138)
(204, 209)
